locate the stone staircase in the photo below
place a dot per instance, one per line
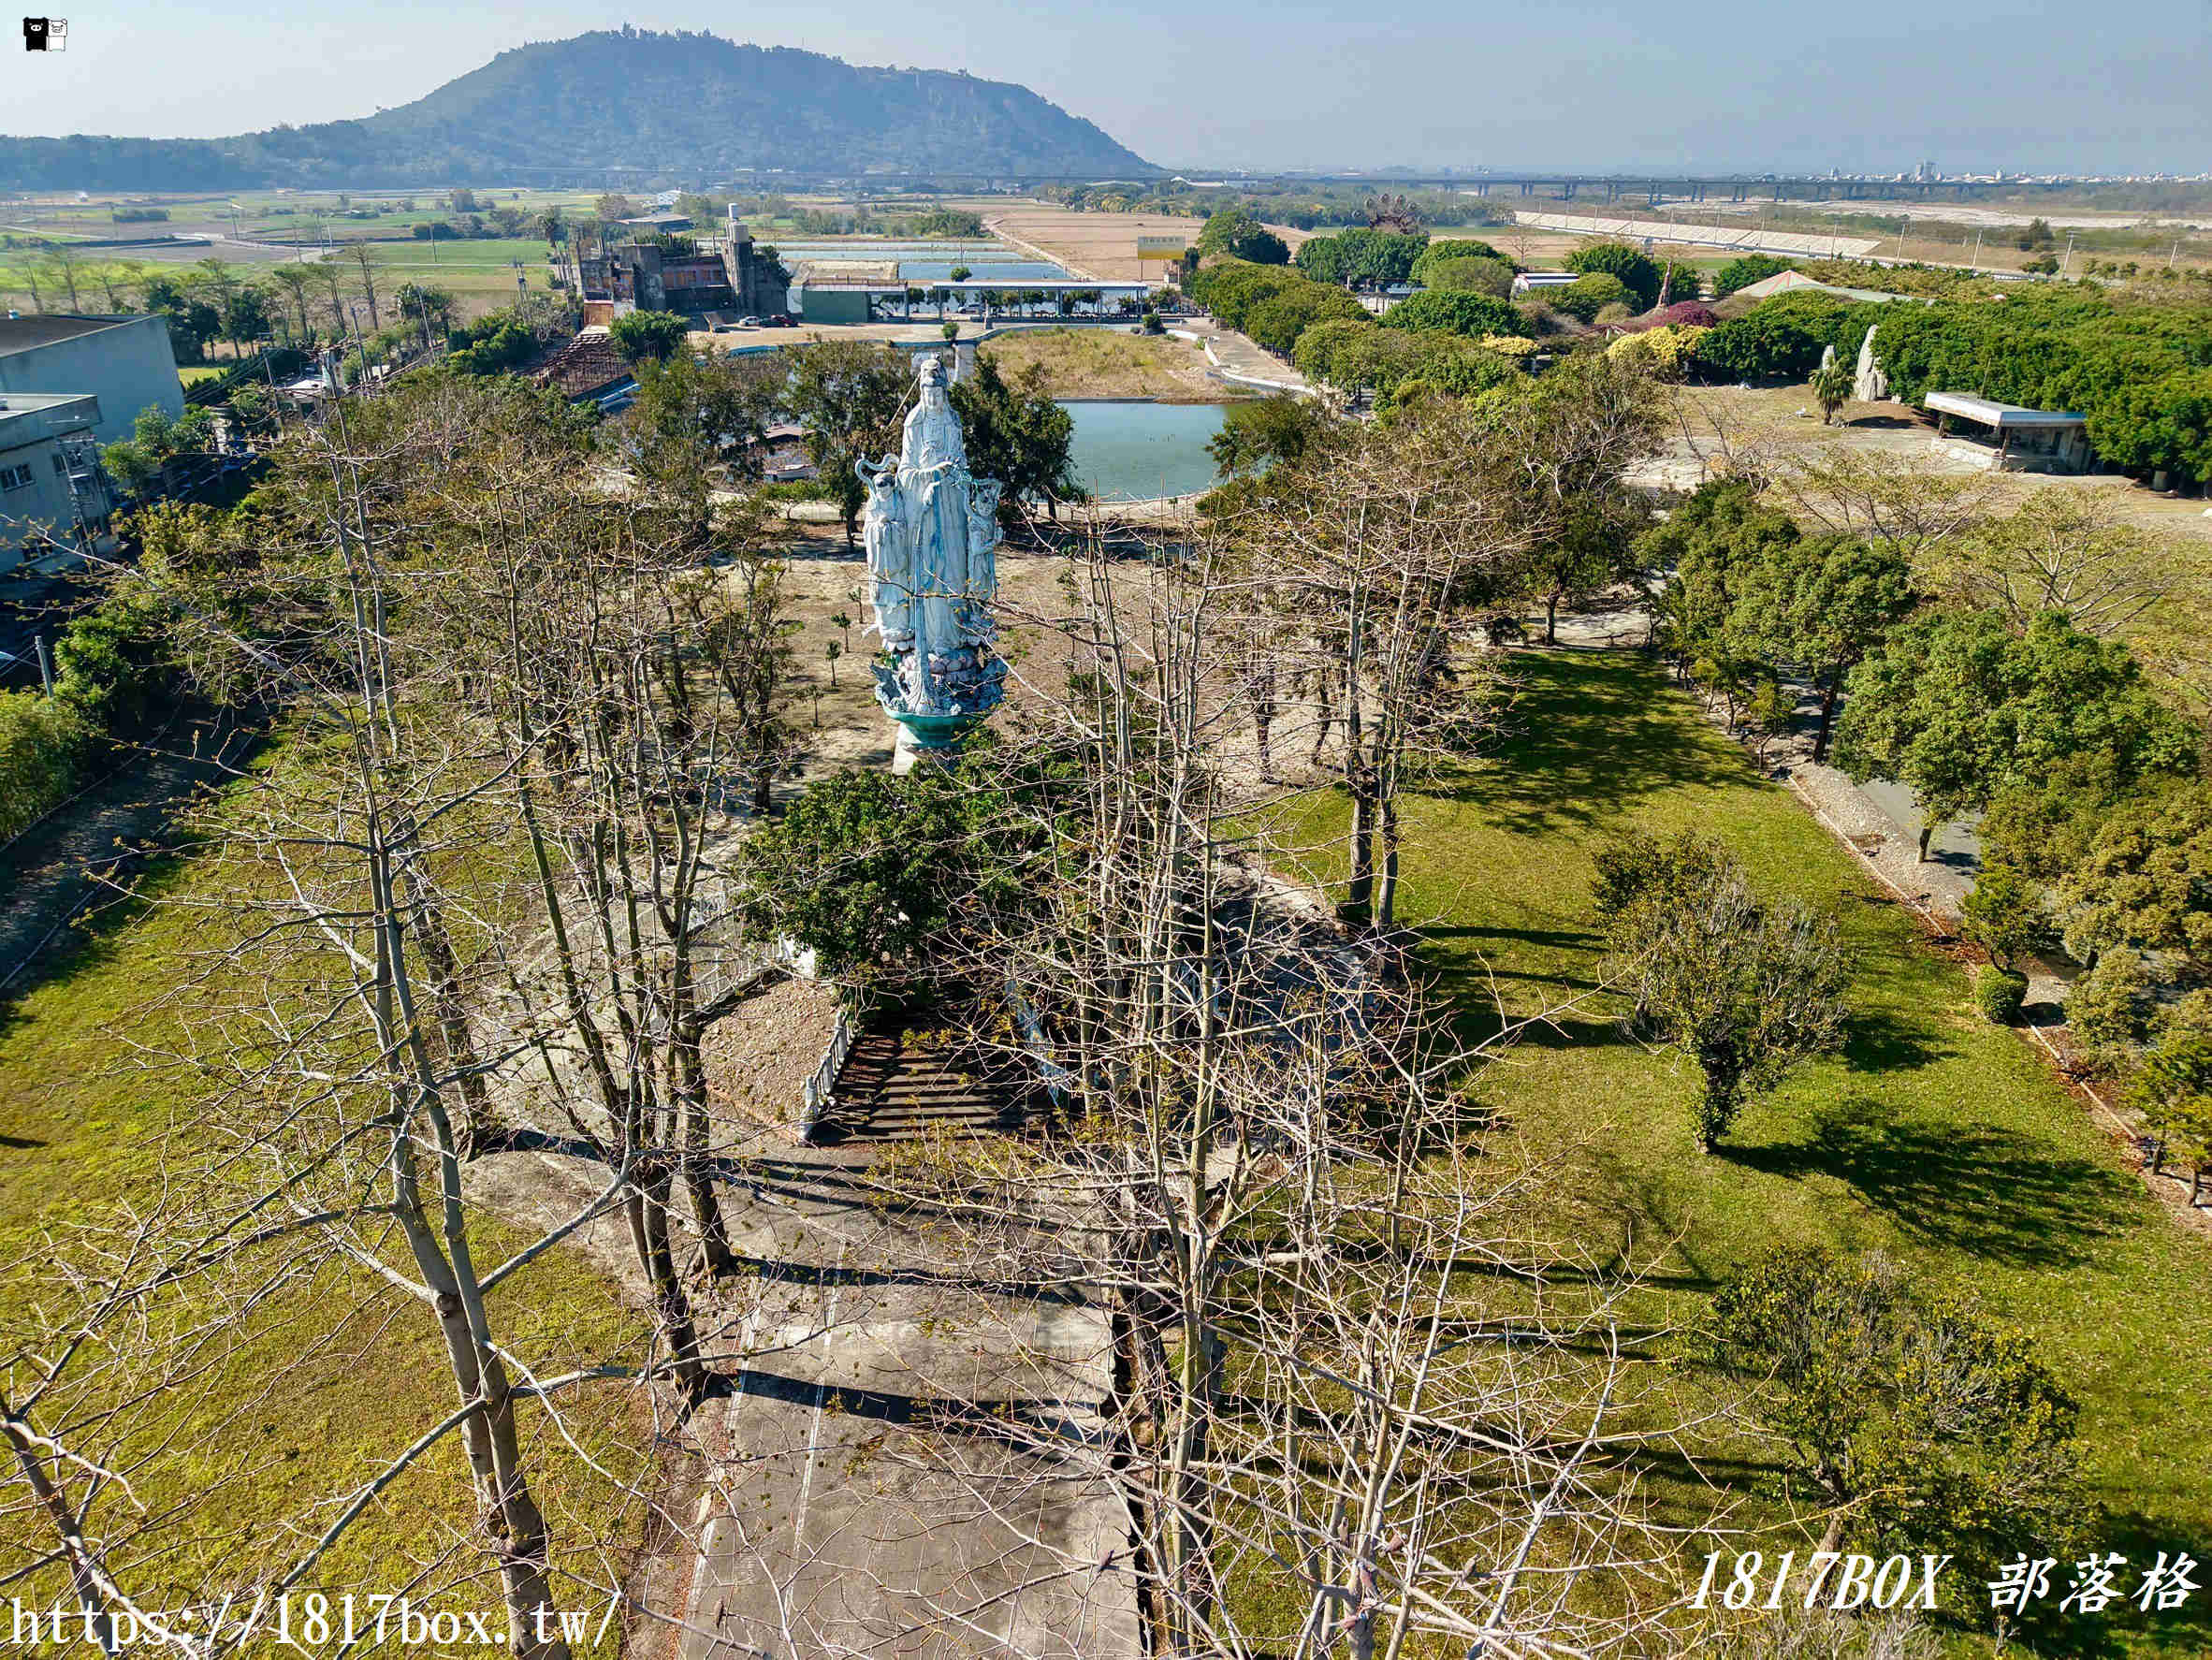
(895, 1087)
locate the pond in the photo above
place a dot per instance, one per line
(921, 263)
(1135, 451)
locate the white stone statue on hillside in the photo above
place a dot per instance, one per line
(931, 531)
(1869, 384)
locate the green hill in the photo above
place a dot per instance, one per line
(681, 108)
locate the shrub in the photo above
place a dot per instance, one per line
(1638, 271)
(1536, 318)
(2000, 993)
(42, 741)
(1665, 353)
(1471, 315)
(1587, 296)
(1615, 313)
(2007, 916)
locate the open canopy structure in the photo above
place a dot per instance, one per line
(2053, 440)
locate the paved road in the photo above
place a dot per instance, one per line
(1239, 359)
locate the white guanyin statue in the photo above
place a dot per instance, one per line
(931, 531)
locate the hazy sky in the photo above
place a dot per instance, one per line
(1874, 85)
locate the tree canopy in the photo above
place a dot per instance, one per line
(1473, 314)
(1017, 433)
(1922, 1424)
(1745, 988)
(1959, 706)
(1361, 258)
(1236, 234)
(2142, 375)
(1745, 269)
(1783, 338)
(849, 394)
(1436, 253)
(649, 336)
(1639, 274)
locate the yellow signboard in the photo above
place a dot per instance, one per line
(1161, 247)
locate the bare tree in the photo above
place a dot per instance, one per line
(2069, 551)
(1255, 1157)
(363, 259)
(1913, 507)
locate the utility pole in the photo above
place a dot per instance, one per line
(2066, 265)
(45, 669)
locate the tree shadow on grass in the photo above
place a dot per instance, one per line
(1470, 982)
(1590, 734)
(1983, 1191)
(1878, 1042)
(1472, 987)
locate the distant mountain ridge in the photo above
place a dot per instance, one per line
(687, 107)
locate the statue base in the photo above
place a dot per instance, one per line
(933, 737)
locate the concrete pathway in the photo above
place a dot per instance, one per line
(1239, 360)
(907, 1451)
(904, 1463)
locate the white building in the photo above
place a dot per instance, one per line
(124, 362)
(51, 489)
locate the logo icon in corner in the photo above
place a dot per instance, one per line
(46, 34)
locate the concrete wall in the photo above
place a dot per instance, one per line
(127, 368)
(836, 305)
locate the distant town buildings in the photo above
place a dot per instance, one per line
(660, 268)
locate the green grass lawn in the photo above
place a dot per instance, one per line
(1935, 1137)
(83, 1131)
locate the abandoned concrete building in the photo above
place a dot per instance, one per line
(2021, 439)
(661, 271)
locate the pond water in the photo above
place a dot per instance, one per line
(928, 262)
(1129, 451)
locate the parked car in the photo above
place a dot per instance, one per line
(783, 320)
